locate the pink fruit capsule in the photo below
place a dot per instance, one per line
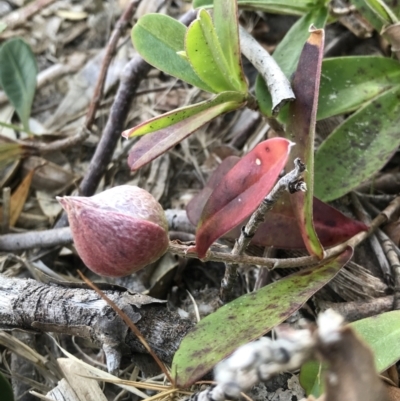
(119, 231)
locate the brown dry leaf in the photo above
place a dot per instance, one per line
(392, 34)
(82, 85)
(8, 172)
(48, 176)
(86, 389)
(157, 181)
(72, 15)
(63, 391)
(351, 375)
(393, 393)
(392, 375)
(161, 279)
(18, 198)
(393, 231)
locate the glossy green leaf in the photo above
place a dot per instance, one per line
(158, 38)
(287, 53)
(349, 82)
(301, 130)
(381, 333)
(359, 147)
(5, 389)
(247, 318)
(298, 7)
(179, 127)
(18, 76)
(206, 56)
(226, 25)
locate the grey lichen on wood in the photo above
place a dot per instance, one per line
(30, 305)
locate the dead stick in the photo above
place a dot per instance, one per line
(98, 91)
(62, 236)
(130, 324)
(20, 16)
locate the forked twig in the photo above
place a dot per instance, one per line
(290, 182)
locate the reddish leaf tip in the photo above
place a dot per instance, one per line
(241, 191)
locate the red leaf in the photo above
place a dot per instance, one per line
(280, 228)
(173, 127)
(241, 190)
(301, 130)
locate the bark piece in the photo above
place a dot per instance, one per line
(28, 304)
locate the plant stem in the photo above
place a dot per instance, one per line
(278, 85)
(290, 182)
(273, 263)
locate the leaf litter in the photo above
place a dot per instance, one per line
(60, 32)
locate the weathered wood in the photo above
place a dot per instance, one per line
(30, 305)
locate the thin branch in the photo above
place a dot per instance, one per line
(363, 216)
(35, 239)
(290, 182)
(97, 94)
(20, 16)
(134, 72)
(62, 236)
(278, 85)
(385, 216)
(110, 50)
(130, 324)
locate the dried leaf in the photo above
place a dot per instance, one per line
(18, 198)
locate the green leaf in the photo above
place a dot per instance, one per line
(381, 333)
(158, 38)
(5, 389)
(312, 378)
(206, 56)
(18, 76)
(301, 130)
(178, 115)
(369, 14)
(382, 11)
(287, 53)
(226, 25)
(247, 318)
(177, 126)
(298, 7)
(349, 82)
(359, 147)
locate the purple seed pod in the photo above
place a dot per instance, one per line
(119, 231)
